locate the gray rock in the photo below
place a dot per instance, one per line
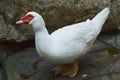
(57, 13)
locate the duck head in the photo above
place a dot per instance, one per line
(32, 18)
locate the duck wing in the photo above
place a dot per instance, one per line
(84, 32)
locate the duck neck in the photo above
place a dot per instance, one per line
(42, 37)
(41, 32)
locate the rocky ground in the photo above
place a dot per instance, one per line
(101, 63)
(18, 57)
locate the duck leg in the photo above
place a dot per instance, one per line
(72, 71)
(67, 70)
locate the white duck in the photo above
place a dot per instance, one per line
(66, 44)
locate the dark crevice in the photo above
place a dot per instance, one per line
(13, 46)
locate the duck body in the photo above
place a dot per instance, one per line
(66, 44)
(70, 42)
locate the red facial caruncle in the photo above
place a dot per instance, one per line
(26, 19)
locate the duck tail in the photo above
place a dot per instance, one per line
(101, 17)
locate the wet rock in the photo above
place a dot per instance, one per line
(110, 40)
(2, 74)
(56, 14)
(3, 56)
(107, 70)
(20, 63)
